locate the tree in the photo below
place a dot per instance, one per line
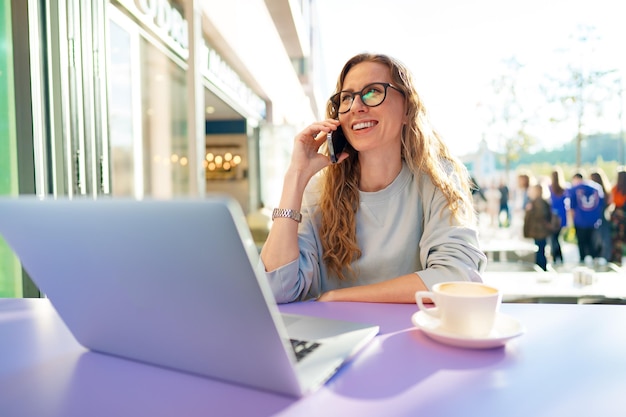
(580, 89)
(506, 116)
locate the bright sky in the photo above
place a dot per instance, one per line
(455, 48)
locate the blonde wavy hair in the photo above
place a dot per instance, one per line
(423, 150)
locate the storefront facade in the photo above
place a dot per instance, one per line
(144, 99)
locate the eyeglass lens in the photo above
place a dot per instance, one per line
(372, 95)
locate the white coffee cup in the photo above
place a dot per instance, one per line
(464, 308)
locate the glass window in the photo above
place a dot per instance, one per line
(122, 128)
(10, 268)
(148, 115)
(164, 104)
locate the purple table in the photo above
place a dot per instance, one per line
(570, 362)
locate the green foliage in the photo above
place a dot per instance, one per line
(601, 147)
(598, 151)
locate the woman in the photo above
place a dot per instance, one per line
(559, 204)
(537, 222)
(391, 217)
(493, 195)
(603, 232)
(618, 218)
(523, 183)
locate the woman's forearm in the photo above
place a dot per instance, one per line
(397, 290)
(281, 246)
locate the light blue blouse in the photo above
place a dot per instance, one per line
(401, 229)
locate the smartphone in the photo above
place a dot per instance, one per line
(336, 143)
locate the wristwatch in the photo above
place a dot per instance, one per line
(287, 213)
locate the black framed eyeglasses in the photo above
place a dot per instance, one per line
(372, 95)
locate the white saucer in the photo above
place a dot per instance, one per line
(505, 328)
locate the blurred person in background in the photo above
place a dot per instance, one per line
(537, 217)
(559, 203)
(586, 205)
(493, 204)
(603, 232)
(504, 205)
(618, 218)
(523, 183)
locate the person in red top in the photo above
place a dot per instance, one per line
(618, 217)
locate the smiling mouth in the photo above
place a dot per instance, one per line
(363, 125)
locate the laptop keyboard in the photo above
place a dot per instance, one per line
(302, 348)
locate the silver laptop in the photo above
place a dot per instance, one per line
(174, 283)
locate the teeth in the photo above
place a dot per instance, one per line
(363, 125)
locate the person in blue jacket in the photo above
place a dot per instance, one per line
(587, 205)
(559, 201)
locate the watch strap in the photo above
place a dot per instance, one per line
(288, 214)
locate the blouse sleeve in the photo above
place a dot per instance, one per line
(301, 279)
(449, 249)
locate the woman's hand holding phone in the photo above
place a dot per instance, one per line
(306, 160)
(336, 143)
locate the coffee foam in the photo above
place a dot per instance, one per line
(466, 289)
